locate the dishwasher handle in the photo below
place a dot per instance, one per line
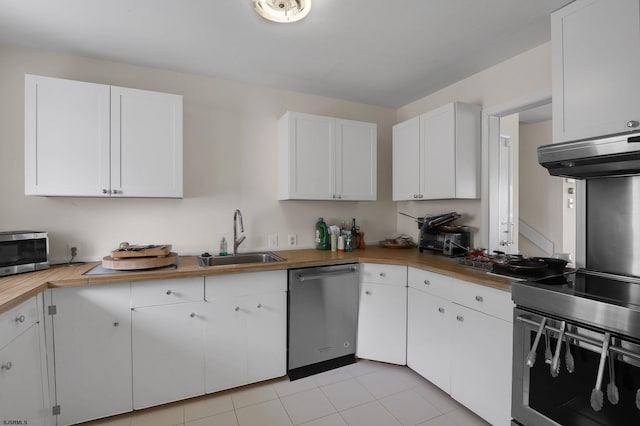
(327, 274)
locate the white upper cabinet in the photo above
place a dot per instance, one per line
(595, 58)
(325, 158)
(437, 155)
(89, 140)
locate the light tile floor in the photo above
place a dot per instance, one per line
(366, 393)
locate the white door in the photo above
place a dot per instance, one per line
(93, 377)
(406, 163)
(438, 153)
(382, 319)
(266, 336)
(429, 337)
(356, 160)
(481, 348)
(595, 58)
(168, 353)
(506, 238)
(146, 143)
(225, 344)
(66, 137)
(21, 391)
(312, 157)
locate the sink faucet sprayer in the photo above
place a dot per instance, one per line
(236, 241)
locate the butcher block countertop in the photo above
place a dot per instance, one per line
(17, 288)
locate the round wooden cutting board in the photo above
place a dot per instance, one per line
(132, 263)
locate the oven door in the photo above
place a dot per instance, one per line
(540, 399)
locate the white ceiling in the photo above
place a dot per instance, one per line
(386, 53)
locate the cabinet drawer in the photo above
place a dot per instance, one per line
(234, 285)
(17, 320)
(164, 292)
(485, 299)
(430, 282)
(383, 274)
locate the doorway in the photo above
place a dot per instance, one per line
(546, 203)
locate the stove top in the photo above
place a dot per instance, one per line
(602, 300)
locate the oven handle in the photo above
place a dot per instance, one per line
(580, 337)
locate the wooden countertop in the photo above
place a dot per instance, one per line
(17, 288)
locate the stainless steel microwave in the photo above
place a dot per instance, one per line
(23, 251)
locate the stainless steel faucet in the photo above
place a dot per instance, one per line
(236, 241)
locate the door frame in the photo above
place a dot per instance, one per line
(489, 152)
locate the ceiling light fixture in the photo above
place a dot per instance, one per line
(282, 10)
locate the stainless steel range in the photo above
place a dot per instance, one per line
(576, 358)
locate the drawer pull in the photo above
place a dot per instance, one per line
(479, 298)
(441, 310)
(6, 366)
(367, 292)
(169, 292)
(259, 305)
(21, 318)
(116, 323)
(426, 282)
(460, 318)
(237, 308)
(382, 274)
(192, 315)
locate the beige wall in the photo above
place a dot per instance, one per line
(230, 161)
(540, 193)
(521, 76)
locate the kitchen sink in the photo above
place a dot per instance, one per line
(238, 259)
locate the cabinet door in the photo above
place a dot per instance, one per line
(168, 353)
(356, 160)
(266, 336)
(92, 344)
(406, 163)
(307, 157)
(437, 154)
(66, 137)
(595, 58)
(225, 344)
(429, 337)
(481, 364)
(382, 329)
(146, 143)
(21, 390)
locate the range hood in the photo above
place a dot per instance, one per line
(612, 156)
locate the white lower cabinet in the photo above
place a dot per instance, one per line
(382, 314)
(22, 399)
(168, 320)
(459, 337)
(246, 328)
(92, 351)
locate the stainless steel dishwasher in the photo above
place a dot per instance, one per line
(323, 318)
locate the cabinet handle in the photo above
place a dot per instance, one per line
(633, 123)
(460, 318)
(441, 310)
(415, 195)
(367, 292)
(115, 324)
(339, 197)
(421, 196)
(21, 318)
(192, 315)
(237, 308)
(334, 196)
(426, 282)
(259, 305)
(479, 298)
(6, 366)
(169, 292)
(106, 191)
(382, 274)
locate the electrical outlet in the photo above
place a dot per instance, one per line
(73, 250)
(292, 240)
(273, 240)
